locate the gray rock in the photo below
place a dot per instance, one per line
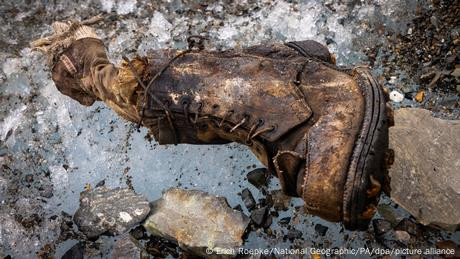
(128, 248)
(284, 221)
(381, 227)
(384, 234)
(390, 214)
(409, 226)
(281, 201)
(294, 234)
(258, 215)
(402, 236)
(196, 220)
(259, 177)
(456, 72)
(248, 199)
(425, 177)
(320, 229)
(75, 252)
(112, 211)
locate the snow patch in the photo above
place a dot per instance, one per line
(122, 6)
(126, 7)
(107, 5)
(160, 27)
(11, 66)
(59, 176)
(11, 122)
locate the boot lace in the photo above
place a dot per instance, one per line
(194, 42)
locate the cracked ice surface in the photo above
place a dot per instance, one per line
(65, 145)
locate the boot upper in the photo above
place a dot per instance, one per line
(314, 125)
(251, 92)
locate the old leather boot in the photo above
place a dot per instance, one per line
(321, 129)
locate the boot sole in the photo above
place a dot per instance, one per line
(366, 172)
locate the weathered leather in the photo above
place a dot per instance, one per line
(316, 112)
(216, 83)
(338, 102)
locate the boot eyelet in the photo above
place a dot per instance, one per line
(185, 100)
(260, 122)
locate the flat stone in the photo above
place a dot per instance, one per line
(409, 226)
(268, 221)
(425, 177)
(456, 72)
(381, 226)
(111, 211)
(75, 252)
(390, 214)
(258, 216)
(384, 234)
(284, 221)
(258, 177)
(294, 234)
(196, 220)
(128, 248)
(248, 199)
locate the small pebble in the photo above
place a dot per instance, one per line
(420, 96)
(294, 234)
(258, 216)
(408, 226)
(392, 80)
(456, 72)
(321, 230)
(284, 221)
(381, 226)
(402, 236)
(248, 199)
(29, 178)
(396, 96)
(258, 177)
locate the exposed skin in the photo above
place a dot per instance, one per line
(301, 116)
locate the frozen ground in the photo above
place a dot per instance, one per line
(51, 147)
